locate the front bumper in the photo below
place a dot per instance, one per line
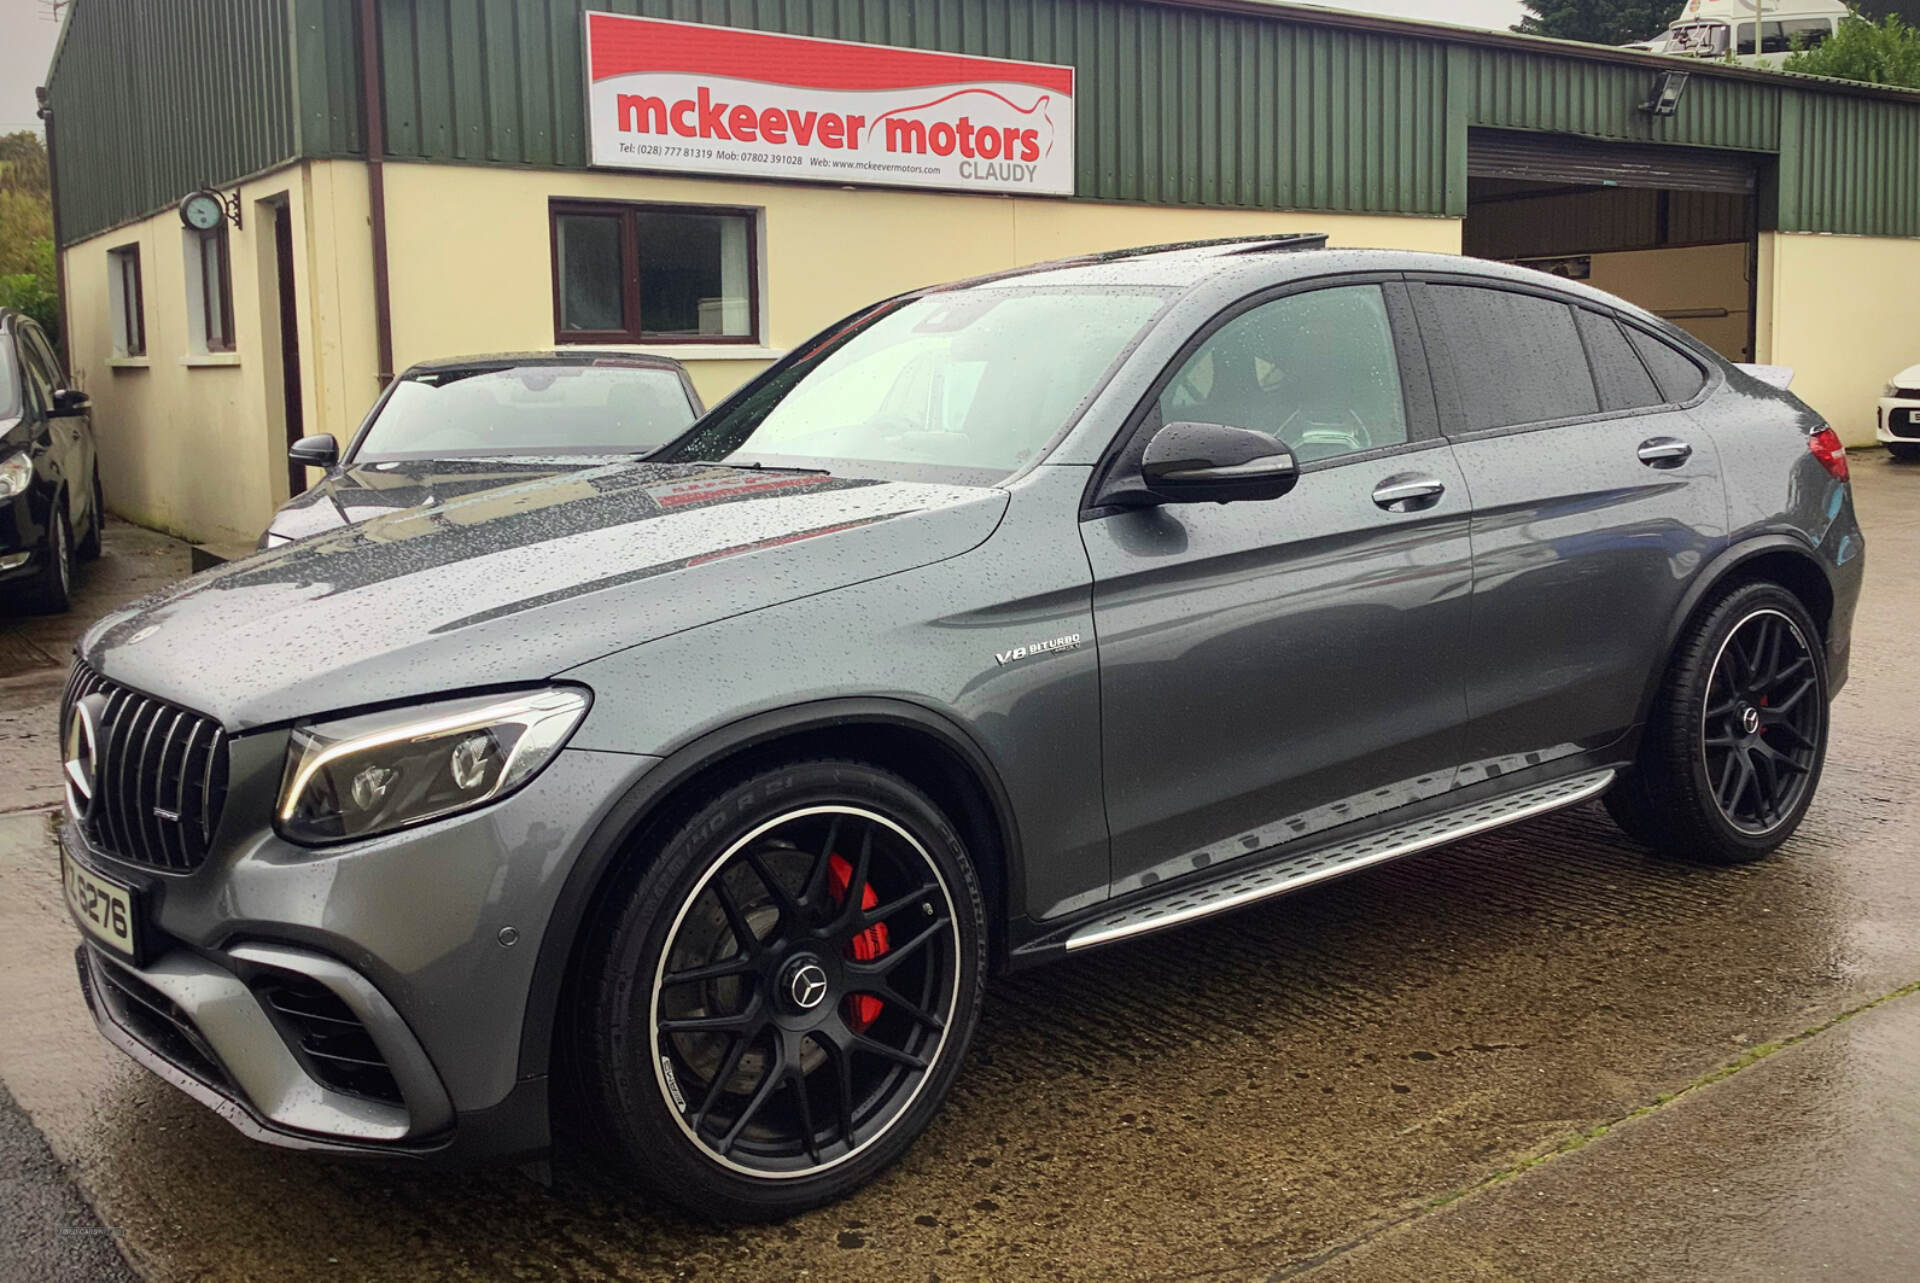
(23, 538)
(1898, 420)
(363, 999)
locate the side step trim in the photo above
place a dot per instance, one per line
(1292, 872)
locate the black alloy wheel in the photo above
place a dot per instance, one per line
(805, 991)
(1762, 726)
(54, 588)
(1736, 738)
(786, 992)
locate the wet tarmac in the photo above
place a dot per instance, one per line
(1540, 1053)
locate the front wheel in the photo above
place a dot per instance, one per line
(1738, 736)
(53, 589)
(778, 1002)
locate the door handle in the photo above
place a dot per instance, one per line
(1665, 452)
(1408, 493)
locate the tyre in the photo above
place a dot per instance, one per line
(89, 548)
(775, 1005)
(53, 587)
(1903, 451)
(1738, 735)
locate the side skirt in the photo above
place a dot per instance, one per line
(1293, 870)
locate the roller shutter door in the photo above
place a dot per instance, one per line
(1562, 158)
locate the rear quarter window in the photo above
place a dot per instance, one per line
(1618, 373)
(1680, 376)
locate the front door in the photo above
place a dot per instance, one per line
(1270, 670)
(1596, 499)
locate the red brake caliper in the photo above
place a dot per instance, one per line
(862, 1009)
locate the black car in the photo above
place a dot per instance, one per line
(451, 427)
(49, 468)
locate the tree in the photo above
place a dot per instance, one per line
(26, 229)
(1600, 22)
(1880, 53)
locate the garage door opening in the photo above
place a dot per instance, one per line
(1673, 229)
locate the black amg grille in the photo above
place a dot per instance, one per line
(160, 777)
(337, 1047)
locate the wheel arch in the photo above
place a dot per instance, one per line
(1779, 558)
(925, 747)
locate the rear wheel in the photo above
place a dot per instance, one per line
(781, 999)
(1734, 748)
(1900, 450)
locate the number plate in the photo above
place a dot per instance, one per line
(103, 909)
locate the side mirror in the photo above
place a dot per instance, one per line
(1212, 463)
(316, 452)
(70, 401)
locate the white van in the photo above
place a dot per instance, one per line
(1759, 33)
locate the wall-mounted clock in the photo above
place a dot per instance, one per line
(202, 210)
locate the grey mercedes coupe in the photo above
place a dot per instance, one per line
(693, 801)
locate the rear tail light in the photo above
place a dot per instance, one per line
(1826, 447)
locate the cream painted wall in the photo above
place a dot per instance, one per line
(1845, 313)
(1692, 279)
(471, 265)
(181, 438)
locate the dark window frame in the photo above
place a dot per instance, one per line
(632, 305)
(133, 304)
(216, 296)
(1445, 385)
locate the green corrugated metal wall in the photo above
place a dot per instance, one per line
(1513, 90)
(151, 100)
(1850, 165)
(1176, 105)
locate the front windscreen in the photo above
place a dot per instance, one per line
(532, 409)
(968, 385)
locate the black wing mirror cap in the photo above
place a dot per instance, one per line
(1213, 463)
(316, 452)
(71, 401)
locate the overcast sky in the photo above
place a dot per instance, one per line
(27, 36)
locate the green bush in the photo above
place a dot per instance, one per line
(33, 292)
(1883, 53)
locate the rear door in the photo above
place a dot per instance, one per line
(1596, 498)
(1270, 670)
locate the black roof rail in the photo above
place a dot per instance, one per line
(1271, 243)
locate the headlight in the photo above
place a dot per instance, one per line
(16, 474)
(1893, 390)
(360, 776)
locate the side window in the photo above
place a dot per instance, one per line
(49, 360)
(1679, 375)
(1623, 382)
(1318, 371)
(33, 369)
(1517, 357)
(1805, 33)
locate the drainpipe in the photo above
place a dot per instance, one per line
(59, 245)
(373, 126)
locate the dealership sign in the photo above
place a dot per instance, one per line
(684, 97)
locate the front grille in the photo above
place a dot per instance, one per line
(157, 1021)
(1904, 423)
(337, 1048)
(160, 778)
(1907, 394)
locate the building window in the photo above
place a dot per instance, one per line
(654, 274)
(209, 291)
(129, 303)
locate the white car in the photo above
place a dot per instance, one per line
(1899, 422)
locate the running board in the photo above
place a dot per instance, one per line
(1290, 873)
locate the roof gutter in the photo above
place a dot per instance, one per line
(373, 126)
(1546, 46)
